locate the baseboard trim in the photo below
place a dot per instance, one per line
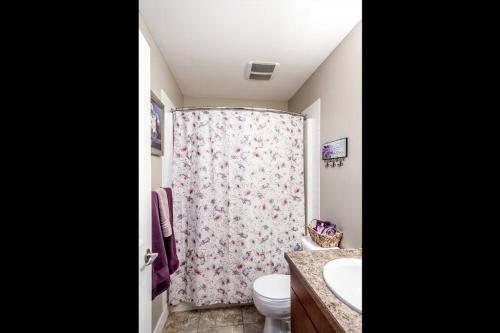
(181, 307)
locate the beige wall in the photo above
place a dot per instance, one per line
(161, 79)
(337, 82)
(197, 101)
(161, 76)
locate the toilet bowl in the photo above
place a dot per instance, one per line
(271, 297)
(271, 293)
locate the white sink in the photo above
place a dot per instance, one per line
(343, 278)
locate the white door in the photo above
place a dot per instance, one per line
(144, 188)
(312, 152)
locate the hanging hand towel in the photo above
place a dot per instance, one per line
(166, 226)
(161, 272)
(173, 262)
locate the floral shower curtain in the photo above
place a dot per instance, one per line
(238, 194)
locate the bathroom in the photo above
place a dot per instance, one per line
(250, 166)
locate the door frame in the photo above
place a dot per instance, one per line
(144, 155)
(312, 160)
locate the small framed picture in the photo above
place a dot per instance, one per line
(157, 135)
(335, 149)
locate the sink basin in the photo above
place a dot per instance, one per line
(343, 278)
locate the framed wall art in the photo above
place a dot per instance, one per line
(157, 117)
(334, 149)
(333, 153)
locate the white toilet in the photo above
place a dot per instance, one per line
(271, 293)
(271, 296)
(310, 245)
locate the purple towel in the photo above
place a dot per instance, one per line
(161, 273)
(325, 227)
(330, 231)
(167, 262)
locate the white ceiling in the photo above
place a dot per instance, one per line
(207, 43)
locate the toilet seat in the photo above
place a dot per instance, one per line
(273, 287)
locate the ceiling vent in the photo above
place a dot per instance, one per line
(258, 70)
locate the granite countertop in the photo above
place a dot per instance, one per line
(309, 265)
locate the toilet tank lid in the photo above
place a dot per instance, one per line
(274, 286)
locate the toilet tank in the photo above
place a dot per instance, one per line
(309, 245)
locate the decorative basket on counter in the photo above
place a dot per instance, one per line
(324, 240)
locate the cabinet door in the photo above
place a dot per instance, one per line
(300, 321)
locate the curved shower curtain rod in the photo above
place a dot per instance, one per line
(237, 108)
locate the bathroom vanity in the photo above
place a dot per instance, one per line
(315, 309)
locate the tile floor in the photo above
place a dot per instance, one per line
(244, 319)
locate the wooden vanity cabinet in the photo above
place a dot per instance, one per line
(306, 315)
